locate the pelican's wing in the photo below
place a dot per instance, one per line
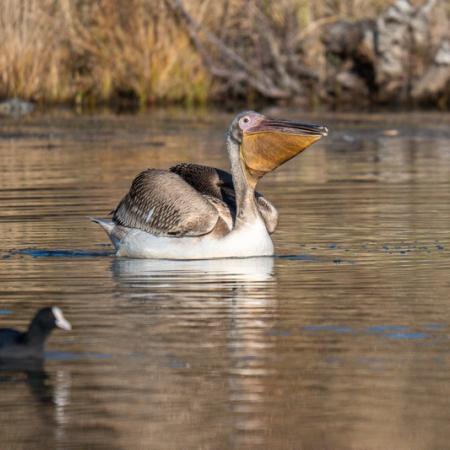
(162, 203)
(268, 212)
(219, 183)
(206, 180)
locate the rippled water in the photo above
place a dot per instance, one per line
(339, 342)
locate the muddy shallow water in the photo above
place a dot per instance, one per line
(339, 342)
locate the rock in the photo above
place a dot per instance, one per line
(393, 39)
(15, 107)
(436, 79)
(342, 38)
(442, 57)
(352, 82)
(404, 54)
(407, 39)
(350, 49)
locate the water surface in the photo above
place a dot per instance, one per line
(339, 342)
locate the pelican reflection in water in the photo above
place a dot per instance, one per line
(199, 212)
(213, 315)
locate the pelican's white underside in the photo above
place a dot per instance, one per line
(250, 239)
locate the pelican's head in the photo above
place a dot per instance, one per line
(266, 144)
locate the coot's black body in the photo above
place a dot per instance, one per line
(30, 344)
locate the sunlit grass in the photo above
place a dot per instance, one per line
(96, 51)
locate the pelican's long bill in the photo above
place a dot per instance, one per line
(271, 143)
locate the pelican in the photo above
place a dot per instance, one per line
(198, 212)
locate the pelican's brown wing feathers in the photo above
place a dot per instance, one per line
(162, 203)
(219, 184)
(205, 179)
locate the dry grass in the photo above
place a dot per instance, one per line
(32, 50)
(95, 51)
(133, 48)
(72, 50)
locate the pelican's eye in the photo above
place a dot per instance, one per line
(244, 122)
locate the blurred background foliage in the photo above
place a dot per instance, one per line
(338, 52)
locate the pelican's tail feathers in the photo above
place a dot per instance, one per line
(115, 232)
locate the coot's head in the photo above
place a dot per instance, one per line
(49, 318)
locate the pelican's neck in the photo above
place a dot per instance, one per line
(246, 209)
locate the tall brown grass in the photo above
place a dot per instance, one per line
(67, 50)
(134, 48)
(33, 52)
(98, 50)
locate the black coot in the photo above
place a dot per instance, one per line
(30, 344)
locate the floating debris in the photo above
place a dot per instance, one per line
(391, 133)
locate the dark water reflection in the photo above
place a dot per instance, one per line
(342, 341)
